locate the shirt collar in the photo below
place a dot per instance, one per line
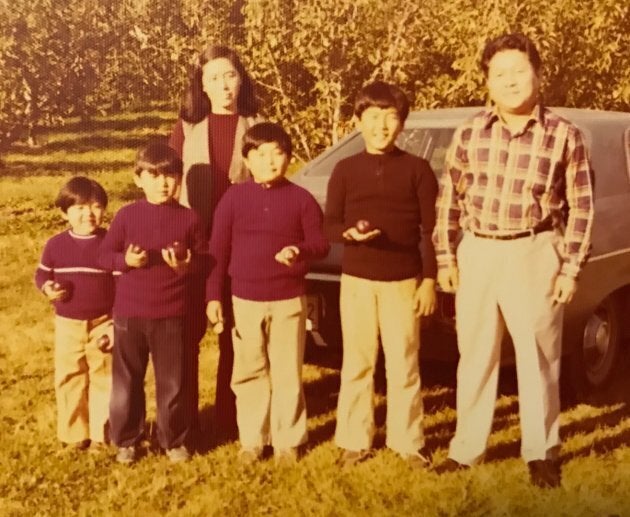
(282, 180)
(537, 115)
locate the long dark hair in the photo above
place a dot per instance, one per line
(196, 104)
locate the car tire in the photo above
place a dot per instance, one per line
(595, 360)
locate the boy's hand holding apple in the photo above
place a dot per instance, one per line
(362, 231)
(288, 255)
(177, 256)
(104, 344)
(54, 291)
(136, 257)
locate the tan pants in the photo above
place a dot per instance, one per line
(369, 308)
(269, 342)
(83, 378)
(508, 284)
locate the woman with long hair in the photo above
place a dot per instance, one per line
(219, 105)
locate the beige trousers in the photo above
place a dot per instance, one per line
(508, 284)
(269, 342)
(83, 378)
(368, 309)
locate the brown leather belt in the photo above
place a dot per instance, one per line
(545, 225)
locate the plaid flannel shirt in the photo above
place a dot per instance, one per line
(497, 182)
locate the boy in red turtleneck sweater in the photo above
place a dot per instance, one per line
(265, 232)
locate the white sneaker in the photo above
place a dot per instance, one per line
(127, 455)
(178, 454)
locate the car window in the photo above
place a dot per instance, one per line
(324, 165)
(429, 143)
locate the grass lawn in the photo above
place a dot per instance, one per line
(37, 477)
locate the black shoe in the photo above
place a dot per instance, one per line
(544, 473)
(450, 465)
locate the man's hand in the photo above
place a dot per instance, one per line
(564, 288)
(288, 255)
(425, 299)
(179, 266)
(214, 311)
(136, 257)
(54, 291)
(352, 234)
(448, 279)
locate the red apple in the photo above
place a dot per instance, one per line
(363, 226)
(179, 250)
(62, 285)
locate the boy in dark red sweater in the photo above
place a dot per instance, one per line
(380, 204)
(156, 243)
(82, 293)
(265, 232)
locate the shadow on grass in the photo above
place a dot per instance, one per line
(139, 122)
(584, 426)
(599, 446)
(90, 143)
(205, 437)
(590, 424)
(23, 169)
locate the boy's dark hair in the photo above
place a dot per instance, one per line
(382, 95)
(78, 191)
(156, 156)
(196, 104)
(513, 41)
(263, 133)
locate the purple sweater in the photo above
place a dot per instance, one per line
(251, 224)
(395, 192)
(72, 260)
(155, 290)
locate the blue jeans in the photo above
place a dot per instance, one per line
(134, 340)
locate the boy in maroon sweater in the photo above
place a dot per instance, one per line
(380, 204)
(265, 232)
(156, 243)
(82, 293)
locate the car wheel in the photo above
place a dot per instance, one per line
(595, 360)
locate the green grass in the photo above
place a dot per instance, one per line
(39, 478)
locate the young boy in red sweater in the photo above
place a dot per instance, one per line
(265, 232)
(156, 243)
(82, 293)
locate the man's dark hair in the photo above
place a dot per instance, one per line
(382, 95)
(264, 133)
(79, 191)
(514, 41)
(157, 157)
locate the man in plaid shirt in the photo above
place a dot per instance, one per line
(517, 181)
